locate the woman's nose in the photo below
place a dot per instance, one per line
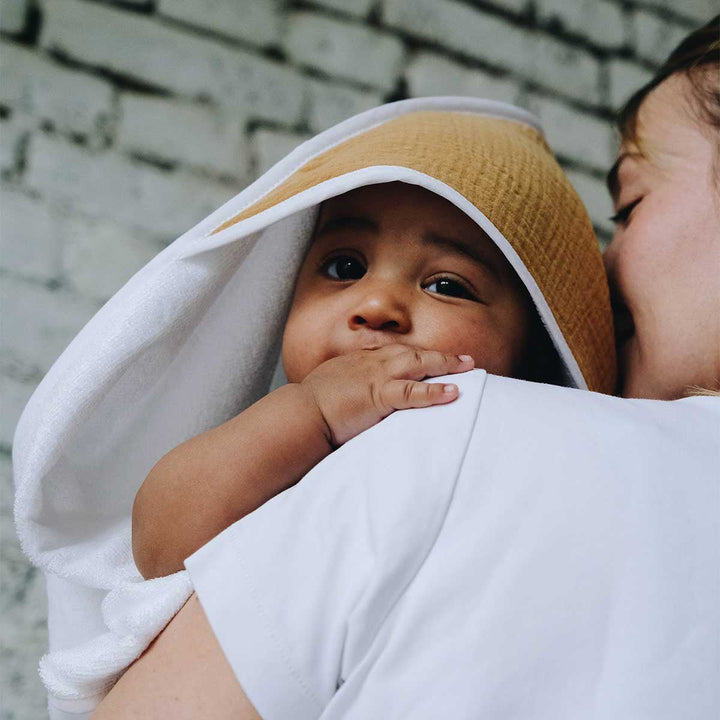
(381, 306)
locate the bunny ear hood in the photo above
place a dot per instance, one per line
(193, 338)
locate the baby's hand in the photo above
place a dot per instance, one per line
(356, 391)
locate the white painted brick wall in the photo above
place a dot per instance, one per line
(70, 100)
(13, 14)
(144, 50)
(345, 50)
(696, 11)
(40, 326)
(15, 395)
(178, 131)
(624, 79)
(542, 59)
(332, 103)
(256, 22)
(100, 256)
(111, 186)
(574, 135)
(7, 488)
(654, 35)
(358, 8)
(123, 122)
(13, 134)
(599, 21)
(23, 612)
(47, 242)
(30, 244)
(430, 73)
(269, 146)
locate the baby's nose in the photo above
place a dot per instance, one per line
(381, 309)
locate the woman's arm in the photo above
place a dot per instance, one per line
(212, 480)
(182, 675)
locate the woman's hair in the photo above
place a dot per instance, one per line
(698, 58)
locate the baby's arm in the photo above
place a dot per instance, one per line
(214, 479)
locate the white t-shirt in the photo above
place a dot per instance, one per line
(527, 551)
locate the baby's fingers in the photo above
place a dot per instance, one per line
(403, 394)
(417, 364)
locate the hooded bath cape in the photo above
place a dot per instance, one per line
(193, 339)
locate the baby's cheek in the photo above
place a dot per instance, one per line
(496, 344)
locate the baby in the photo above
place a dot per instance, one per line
(398, 285)
(408, 244)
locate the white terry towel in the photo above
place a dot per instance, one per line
(187, 343)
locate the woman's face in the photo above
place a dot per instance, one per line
(664, 260)
(395, 263)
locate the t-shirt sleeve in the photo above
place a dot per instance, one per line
(297, 591)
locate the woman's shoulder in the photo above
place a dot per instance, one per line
(597, 422)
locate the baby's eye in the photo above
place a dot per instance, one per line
(453, 288)
(623, 214)
(344, 267)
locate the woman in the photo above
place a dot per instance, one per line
(663, 264)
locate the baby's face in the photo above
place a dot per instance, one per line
(395, 263)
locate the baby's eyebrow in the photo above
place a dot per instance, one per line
(366, 224)
(348, 222)
(468, 249)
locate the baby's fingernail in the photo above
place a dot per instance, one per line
(465, 358)
(449, 388)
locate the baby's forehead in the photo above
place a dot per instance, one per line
(386, 210)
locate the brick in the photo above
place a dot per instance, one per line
(270, 146)
(575, 135)
(29, 237)
(345, 50)
(432, 74)
(256, 22)
(599, 21)
(41, 325)
(177, 131)
(99, 257)
(536, 57)
(358, 8)
(624, 78)
(72, 101)
(140, 48)
(699, 11)
(656, 38)
(14, 396)
(330, 104)
(515, 6)
(13, 16)
(23, 628)
(109, 186)
(459, 27)
(7, 485)
(566, 70)
(13, 134)
(48, 242)
(596, 198)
